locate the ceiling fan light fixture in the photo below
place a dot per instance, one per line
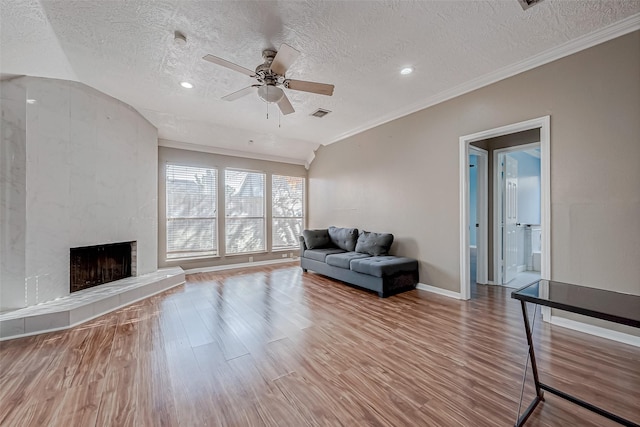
(270, 94)
(186, 85)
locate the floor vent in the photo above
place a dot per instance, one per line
(320, 112)
(526, 4)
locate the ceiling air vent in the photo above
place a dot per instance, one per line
(526, 4)
(320, 112)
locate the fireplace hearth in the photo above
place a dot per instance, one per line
(95, 265)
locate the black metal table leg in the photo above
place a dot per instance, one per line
(534, 368)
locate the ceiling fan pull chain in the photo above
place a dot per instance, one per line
(279, 115)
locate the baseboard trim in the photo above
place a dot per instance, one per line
(596, 330)
(240, 265)
(439, 291)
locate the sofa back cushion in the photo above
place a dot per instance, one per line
(375, 244)
(344, 238)
(316, 239)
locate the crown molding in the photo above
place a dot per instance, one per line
(620, 28)
(226, 152)
(309, 160)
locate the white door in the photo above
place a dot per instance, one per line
(480, 225)
(510, 219)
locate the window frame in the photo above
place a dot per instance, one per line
(215, 218)
(303, 217)
(265, 248)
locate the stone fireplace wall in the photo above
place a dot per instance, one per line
(13, 180)
(83, 172)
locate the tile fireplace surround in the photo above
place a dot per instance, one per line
(80, 306)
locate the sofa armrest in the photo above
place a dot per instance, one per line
(303, 246)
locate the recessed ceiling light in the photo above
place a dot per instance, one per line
(406, 70)
(186, 85)
(31, 101)
(179, 38)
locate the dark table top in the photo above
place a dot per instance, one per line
(599, 303)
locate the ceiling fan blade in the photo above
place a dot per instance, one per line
(320, 88)
(240, 93)
(285, 105)
(230, 65)
(284, 58)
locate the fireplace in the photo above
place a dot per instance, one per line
(96, 265)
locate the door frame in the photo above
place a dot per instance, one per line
(544, 123)
(498, 194)
(482, 214)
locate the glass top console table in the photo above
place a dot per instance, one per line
(598, 303)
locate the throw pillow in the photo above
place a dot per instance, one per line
(375, 244)
(316, 239)
(344, 238)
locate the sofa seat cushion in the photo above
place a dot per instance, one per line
(344, 260)
(380, 266)
(321, 254)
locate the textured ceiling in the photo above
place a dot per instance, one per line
(126, 49)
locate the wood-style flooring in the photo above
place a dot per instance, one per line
(273, 346)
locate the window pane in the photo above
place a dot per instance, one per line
(191, 238)
(286, 232)
(245, 235)
(287, 210)
(245, 213)
(191, 211)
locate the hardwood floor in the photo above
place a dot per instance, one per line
(272, 346)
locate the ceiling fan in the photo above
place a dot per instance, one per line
(271, 78)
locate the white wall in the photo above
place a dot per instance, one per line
(91, 178)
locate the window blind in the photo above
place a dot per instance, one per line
(244, 211)
(287, 212)
(191, 211)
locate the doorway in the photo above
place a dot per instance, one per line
(541, 125)
(516, 222)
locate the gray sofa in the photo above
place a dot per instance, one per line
(361, 259)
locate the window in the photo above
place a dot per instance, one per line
(245, 212)
(287, 194)
(191, 211)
